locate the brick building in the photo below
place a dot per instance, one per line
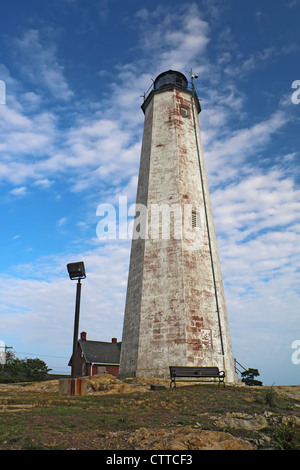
(96, 357)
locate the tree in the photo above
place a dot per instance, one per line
(23, 370)
(248, 377)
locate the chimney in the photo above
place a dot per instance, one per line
(83, 336)
(114, 340)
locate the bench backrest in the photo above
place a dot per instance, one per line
(181, 371)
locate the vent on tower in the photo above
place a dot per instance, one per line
(195, 219)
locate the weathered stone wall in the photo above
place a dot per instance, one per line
(171, 316)
(131, 326)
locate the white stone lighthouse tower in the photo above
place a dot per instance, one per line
(175, 312)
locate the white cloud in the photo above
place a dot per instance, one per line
(43, 309)
(258, 229)
(175, 39)
(21, 191)
(40, 64)
(43, 183)
(86, 151)
(184, 45)
(256, 203)
(237, 146)
(62, 221)
(23, 136)
(11, 117)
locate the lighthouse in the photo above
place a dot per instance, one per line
(175, 312)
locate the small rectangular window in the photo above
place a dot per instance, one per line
(185, 112)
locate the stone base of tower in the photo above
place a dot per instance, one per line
(145, 373)
(230, 376)
(163, 371)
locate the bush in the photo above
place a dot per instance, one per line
(287, 436)
(23, 370)
(270, 398)
(248, 377)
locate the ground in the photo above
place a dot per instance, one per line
(128, 415)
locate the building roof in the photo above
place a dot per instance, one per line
(100, 352)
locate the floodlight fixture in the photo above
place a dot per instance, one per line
(76, 270)
(193, 75)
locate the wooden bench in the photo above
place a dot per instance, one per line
(196, 373)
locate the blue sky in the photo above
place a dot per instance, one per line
(70, 140)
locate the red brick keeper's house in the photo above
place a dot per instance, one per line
(96, 357)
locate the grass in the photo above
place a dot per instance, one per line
(89, 422)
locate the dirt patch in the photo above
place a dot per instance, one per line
(185, 438)
(108, 384)
(50, 386)
(292, 391)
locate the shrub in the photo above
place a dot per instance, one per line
(23, 370)
(248, 377)
(287, 436)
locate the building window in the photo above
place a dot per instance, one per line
(185, 111)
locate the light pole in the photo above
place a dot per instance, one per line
(76, 271)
